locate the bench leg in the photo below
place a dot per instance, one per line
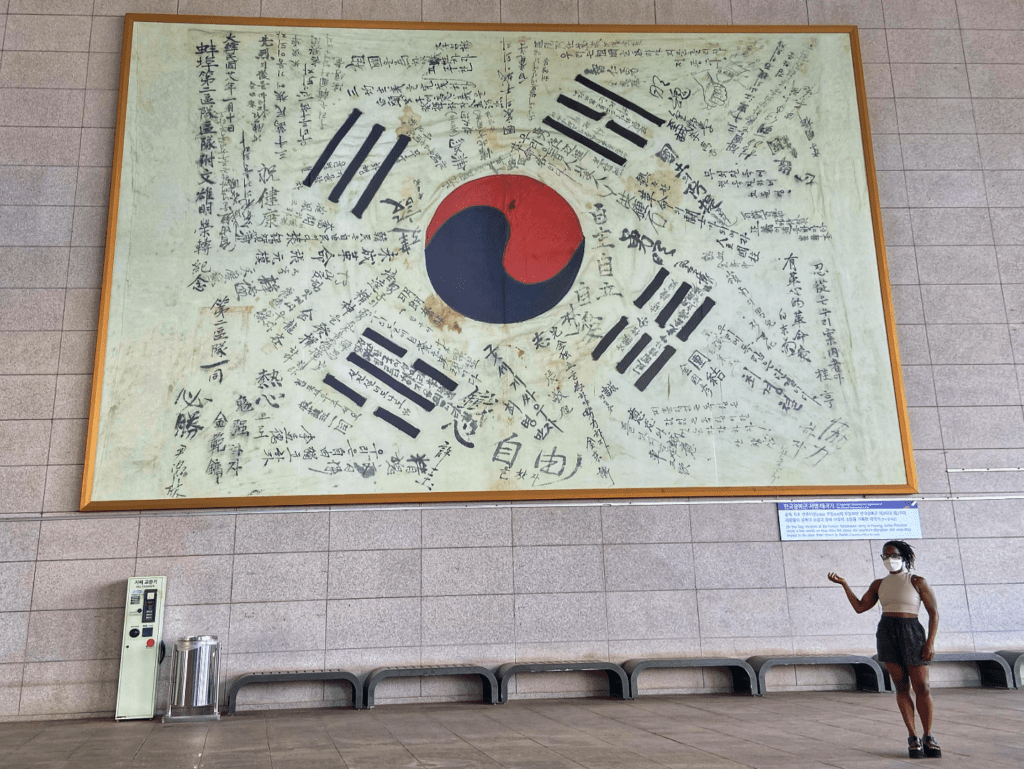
(993, 674)
(741, 681)
(615, 686)
(867, 679)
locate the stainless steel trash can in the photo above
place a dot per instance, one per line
(195, 680)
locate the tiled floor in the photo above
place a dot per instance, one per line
(977, 728)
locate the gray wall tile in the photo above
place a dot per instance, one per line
(751, 613)
(566, 569)
(826, 611)
(70, 687)
(34, 69)
(375, 529)
(976, 385)
(558, 525)
(646, 523)
(951, 226)
(735, 522)
(279, 577)
(467, 570)
(1001, 151)
(957, 264)
(63, 488)
(902, 264)
(738, 564)
(925, 431)
(808, 564)
(467, 527)
(374, 574)
(24, 442)
(922, 81)
(652, 614)
(996, 80)
(469, 619)
(94, 584)
(650, 567)
(29, 352)
(88, 538)
(920, 14)
(75, 634)
(31, 146)
(992, 14)
(375, 622)
(996, 607)
(13, 636)
(281, 532)
(967, 344)
(989, 518)
(23, 489)
(191, 579)
(35, 186)
(997, 116)
(924, 46)
(68, 441)
(33, 267)
(991, 561)
(982, 427)
(280, 626)
(947, 189)
(31, 309)
(36, 107)
(560, 617)
(186, 535)
(18, 540)
(963, 304)
(918, 385)
(72, 397)
(16, 585)
(952, 116)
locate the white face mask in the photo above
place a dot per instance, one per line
(894, 564)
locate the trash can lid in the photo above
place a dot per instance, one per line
(198, 639)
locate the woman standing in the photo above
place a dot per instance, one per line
(902, 645)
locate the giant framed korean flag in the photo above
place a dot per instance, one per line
(414, 262)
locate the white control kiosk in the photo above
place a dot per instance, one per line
(141, 647)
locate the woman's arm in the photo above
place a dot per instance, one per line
(860, 605)
(932, 606)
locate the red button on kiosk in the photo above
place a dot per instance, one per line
(150, 642)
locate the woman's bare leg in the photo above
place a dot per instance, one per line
(906, 705)
(918, 675)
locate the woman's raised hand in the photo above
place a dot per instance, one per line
(833, 577)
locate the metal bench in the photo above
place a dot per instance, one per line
(994, 669)
(618, 682)
(870, 677)
(379, 674)
(1015, 659)
(743, 676)
(296, 675)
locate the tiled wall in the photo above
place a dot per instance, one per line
(358, 588)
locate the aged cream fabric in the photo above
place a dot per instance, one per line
(263, 340)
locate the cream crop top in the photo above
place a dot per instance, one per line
(897, 593)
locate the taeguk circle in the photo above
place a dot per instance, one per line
(503, 248)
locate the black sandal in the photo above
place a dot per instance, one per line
(931, 747)
(914, 746)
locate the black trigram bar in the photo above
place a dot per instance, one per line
(608, 338)
(625, 133)
(695, 319)
(345, 390)
(357, 162)
(655, 368)
(652, 288)
(396, 421)
(635, 350)
(391, 382)
(331, 146)
(590, 144)
(580, 107)
(445, 381)
(378, 178)
(619, 100)
(383, 341)
(672, 305)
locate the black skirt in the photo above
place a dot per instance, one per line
(900, 640)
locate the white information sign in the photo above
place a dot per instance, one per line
(850, 519)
